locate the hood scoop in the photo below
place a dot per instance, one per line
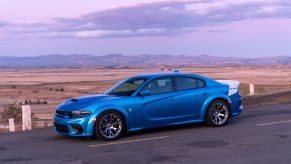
(74, 100)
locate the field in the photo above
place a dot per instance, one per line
(45, 88)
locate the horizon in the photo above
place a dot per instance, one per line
(224, 28)
(142, 54)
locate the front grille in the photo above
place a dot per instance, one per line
(77, 128)
(62, 128)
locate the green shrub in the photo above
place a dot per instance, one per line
(11, 111)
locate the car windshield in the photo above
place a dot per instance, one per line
(126, 87)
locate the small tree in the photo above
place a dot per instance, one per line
(11, 111)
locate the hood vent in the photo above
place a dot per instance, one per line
(74, 100)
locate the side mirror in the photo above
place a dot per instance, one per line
(145, 92)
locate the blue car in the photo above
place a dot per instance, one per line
(149, 101)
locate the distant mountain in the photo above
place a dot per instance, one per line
(117, 60)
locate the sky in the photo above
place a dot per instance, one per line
(231, 28)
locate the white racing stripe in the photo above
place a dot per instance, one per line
(130, 141)
(272, 123)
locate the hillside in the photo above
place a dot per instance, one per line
(79, 60)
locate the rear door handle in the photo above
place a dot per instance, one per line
(205, 93)
(171, 99)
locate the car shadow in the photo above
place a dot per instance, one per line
(144, 133)
(136, 134)
(167, 129)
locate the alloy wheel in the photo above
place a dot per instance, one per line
(110, 126)
(219, 113)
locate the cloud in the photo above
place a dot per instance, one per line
(112, 33)
(157, 18)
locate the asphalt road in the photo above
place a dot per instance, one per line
(259, 135)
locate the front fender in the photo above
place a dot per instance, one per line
(209, 100)
(101, 109)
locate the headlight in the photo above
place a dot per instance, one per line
(81, 113)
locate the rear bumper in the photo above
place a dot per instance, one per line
(236, 106)
(239, 111)
(72, 126)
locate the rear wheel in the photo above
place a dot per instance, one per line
(217, 114)
(109, 126)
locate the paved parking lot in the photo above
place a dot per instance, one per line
(259, 135)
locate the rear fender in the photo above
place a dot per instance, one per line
(210, 100)
(233, 86)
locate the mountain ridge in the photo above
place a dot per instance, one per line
(119, 60)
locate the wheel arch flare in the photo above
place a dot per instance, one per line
(210, 100)
(96, 113)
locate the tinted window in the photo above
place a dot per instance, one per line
(161, 85)
(183, 83)
(200, 83)
(126, 87)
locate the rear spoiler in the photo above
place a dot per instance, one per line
(233, 86)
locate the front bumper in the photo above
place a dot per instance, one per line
(72, 126)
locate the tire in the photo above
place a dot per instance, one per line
(218, 113)
(109, 126)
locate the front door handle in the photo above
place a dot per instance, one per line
(171, 99)
(205, 93)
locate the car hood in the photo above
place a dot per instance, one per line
(85, 101)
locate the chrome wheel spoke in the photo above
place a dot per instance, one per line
(219, 113)
(110, 126)
(102, 125)
(221, 119)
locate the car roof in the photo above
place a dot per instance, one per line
(164, 74)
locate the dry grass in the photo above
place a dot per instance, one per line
(268, 99)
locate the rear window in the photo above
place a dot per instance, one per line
(183, 83)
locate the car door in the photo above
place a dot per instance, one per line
(156, 107)
(190, 95)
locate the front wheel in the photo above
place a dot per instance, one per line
(217, 114)
(109, 126)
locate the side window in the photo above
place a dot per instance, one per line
(161, 85)
(183, 83)
(200, 83)
(130, 86)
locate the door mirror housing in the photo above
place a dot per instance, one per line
(144, 92)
